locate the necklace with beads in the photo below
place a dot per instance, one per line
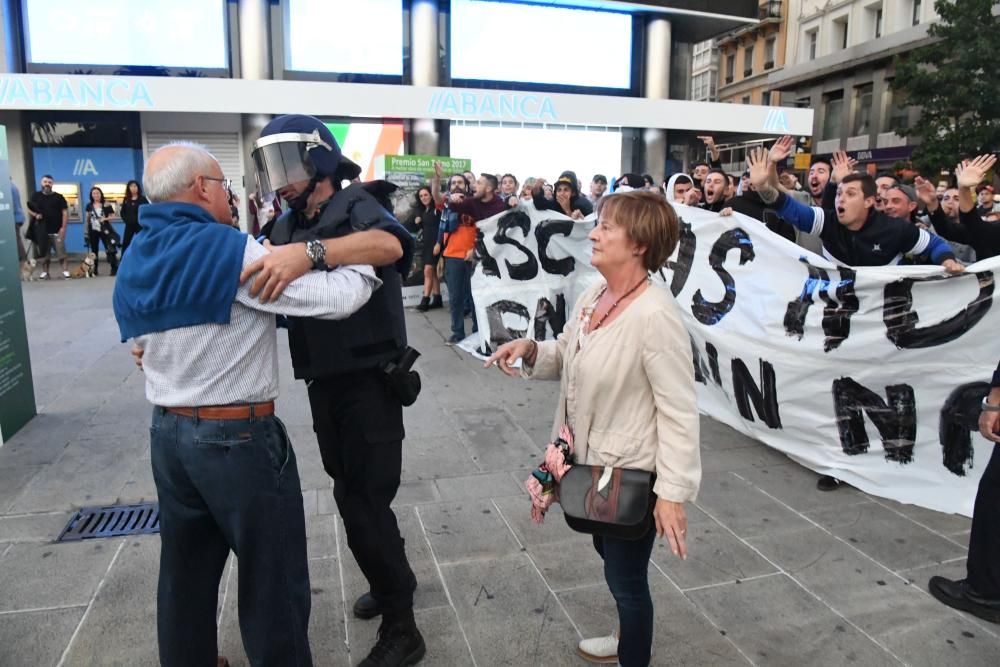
(615, 304)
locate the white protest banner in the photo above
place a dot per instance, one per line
(873, 374)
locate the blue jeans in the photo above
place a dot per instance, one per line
(229, 485)
(458, 277)
(626, 565)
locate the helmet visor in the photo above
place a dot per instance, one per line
(281, 164)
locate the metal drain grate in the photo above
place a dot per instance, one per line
(113, 521)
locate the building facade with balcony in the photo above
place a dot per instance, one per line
(748, 56)
(839, 62)
(704, 71)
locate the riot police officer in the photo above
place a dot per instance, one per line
(355, 369)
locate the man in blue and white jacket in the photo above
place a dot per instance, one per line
(854, 233)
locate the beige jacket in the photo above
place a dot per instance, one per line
(630, 391)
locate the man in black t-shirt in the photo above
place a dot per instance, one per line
(50, 213)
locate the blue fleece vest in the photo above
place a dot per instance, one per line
(182, 269)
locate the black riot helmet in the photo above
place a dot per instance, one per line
(297, 148)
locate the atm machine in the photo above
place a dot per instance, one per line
(71, 192)
(114, 194)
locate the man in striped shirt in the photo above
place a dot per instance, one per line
(225, 471)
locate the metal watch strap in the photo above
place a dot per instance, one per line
(316, 252)
(987, 407)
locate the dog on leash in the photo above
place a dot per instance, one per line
(28, 269)
(86, 267)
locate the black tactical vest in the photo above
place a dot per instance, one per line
(368, 338)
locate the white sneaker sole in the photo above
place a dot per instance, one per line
(596, 659)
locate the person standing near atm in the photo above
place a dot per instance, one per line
(99, 230)
(50, 214)
(130, 211)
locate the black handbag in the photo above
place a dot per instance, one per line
(606, 501)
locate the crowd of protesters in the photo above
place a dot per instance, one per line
(913, 220)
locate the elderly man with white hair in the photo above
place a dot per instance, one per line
(225, 472)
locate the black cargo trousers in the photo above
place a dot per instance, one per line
(359, 427)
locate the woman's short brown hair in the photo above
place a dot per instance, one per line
(649, 222)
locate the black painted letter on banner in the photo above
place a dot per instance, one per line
(486, 261)
(896, 420)
(685, 257)
(765, 401)
(520, 220)
(712, 312)
(500, 334)
(544, 232)
(713, 363)
(555, 317)
(901, 320)
(959, 416)
(700, 371)
(836, 313)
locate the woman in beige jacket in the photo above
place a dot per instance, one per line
(627, 393)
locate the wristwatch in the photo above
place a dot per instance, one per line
(316, 252)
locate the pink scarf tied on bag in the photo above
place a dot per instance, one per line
(541, 486)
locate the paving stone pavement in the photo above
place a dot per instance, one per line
(778, 573)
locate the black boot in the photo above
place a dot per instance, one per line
(828, 483)
(399, 643)
(424, 304)
(436, 302)
(366, 607)
(113, 261)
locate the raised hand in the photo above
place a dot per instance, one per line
(781, 149)
(710, 145)
(926, 192)
(970, 173)
(759, 166)
(842, 166)
(438, 168)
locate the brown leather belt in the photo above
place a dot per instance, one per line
(227, 412)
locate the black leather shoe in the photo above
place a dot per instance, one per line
(424, 305)
(436, 302)
(828, 483)
(398, 644)
(366, 607)
(958, 595)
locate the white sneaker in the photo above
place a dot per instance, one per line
(599, 650)
(44, 276)
(65, 275)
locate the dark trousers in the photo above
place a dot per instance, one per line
(458, 277)
(95, 238)
(359, 427)
(130, 231)
(229, 485)
(626, 565)
(984, 541)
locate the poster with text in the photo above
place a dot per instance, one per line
(17, 394)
